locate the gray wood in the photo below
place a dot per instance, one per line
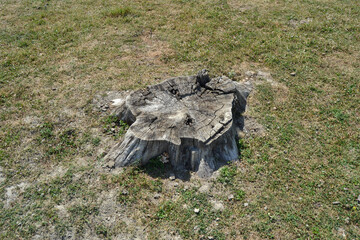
(194, 119)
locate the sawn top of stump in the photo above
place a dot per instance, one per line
(192, 107)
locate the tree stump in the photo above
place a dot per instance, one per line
(194, 119)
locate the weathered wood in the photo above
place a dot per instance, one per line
(191, 118)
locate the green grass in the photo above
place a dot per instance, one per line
(55, 56)
(119, 12)
(227, 175)
(112, 125)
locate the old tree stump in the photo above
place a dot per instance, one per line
(194, 119)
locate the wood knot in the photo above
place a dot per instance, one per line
(176, 93)
(203, 77)
(189, 121)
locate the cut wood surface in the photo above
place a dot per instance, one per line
(194, 119)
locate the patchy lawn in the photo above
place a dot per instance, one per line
(298, 179)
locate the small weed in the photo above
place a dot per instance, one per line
(266, 94)
(80, 215)
(165, 210)
(102, 231)
(155, 163)
(96, 141)
(23, 44)
(46, 130)
(68, 137)
(243, 148)
(3, 156)
(114, 126)
(88, 138)
(227, 175)
(156, 186)
(239, 195)
(241, 144)
(339, 115)
(119, 12)
(135, 185)
(63, 144)
(155, 167)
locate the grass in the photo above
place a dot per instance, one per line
(119, 12)
(55, 56)
(114, 126)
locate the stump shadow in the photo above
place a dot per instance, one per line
(240, 123)
(158, 169)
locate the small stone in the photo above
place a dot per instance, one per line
(342, 232)
(217, 219)
(317, 205)
(172, 177)
(210, 237)
(358, 199)
(2, 177)
(348, 207)
(157, 196)
(125, 192)
(110, 164)
(264, 75)
(265, 208)
(347, 220)
(336, 203)
(293, 74)
(246, 204)
(204, 188)
(164, 159)
(196, 210)
(217, 206)
(249, 73)
(176, 184)
(104, 108)
(230, 197)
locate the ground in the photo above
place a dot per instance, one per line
(298, 174)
